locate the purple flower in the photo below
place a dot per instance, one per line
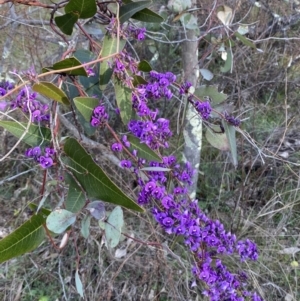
(3, 105)
(117, 147)
(126, 164)
(45, 162)
(36, 151)
(203, 108)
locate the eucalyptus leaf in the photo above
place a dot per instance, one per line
(231, 136)
(78, 284)
(114, 226)
(59, 220)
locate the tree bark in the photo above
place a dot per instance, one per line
(192, 132)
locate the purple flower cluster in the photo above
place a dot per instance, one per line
(99, 116)
(184, 88)
(44, 158)
(207, 239)
(124, 63)
(203, 108)
(26, 100)
(137, 33)
(5, 86)
(153, 133)
(232, 120)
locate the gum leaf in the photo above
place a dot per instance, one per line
(114, 226)
(59, 220)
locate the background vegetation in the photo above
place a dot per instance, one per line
(259, 199)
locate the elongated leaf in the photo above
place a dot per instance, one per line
(53, 92)
(109, 47)
(143, 150)
(217, 140)
(24, 239)
(78, 284)
(42, 210)
(114, 226)
(128, 10)
(85, 226)
(86, 105)
(146, 15)
(66, 22)
(85, 8)
(75, 200)
(69, 63)
(36, 135)
(244, 40)
(59, 220)
(228, 63)
(123, 98)
(212, 92)
(92, 178)
(230, 133)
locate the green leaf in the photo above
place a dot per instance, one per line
(138, 80)
(85, 226)
(42, 210)
(146, 15)
(24, 239)
(244, 40)
(217, 140)
(143, 150)
(114, 226)
(86, 105)
(78, 284)
(75, 199)
(128, 10)
(124, 102)
(49, 90)
(230, 133)
(228, 63)
(92, 178)
(66, 22)
(84, 8)
(59, 220)
(69, 63)
(144, 66)
(212, 92)
(36, 135)
(109, 47)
